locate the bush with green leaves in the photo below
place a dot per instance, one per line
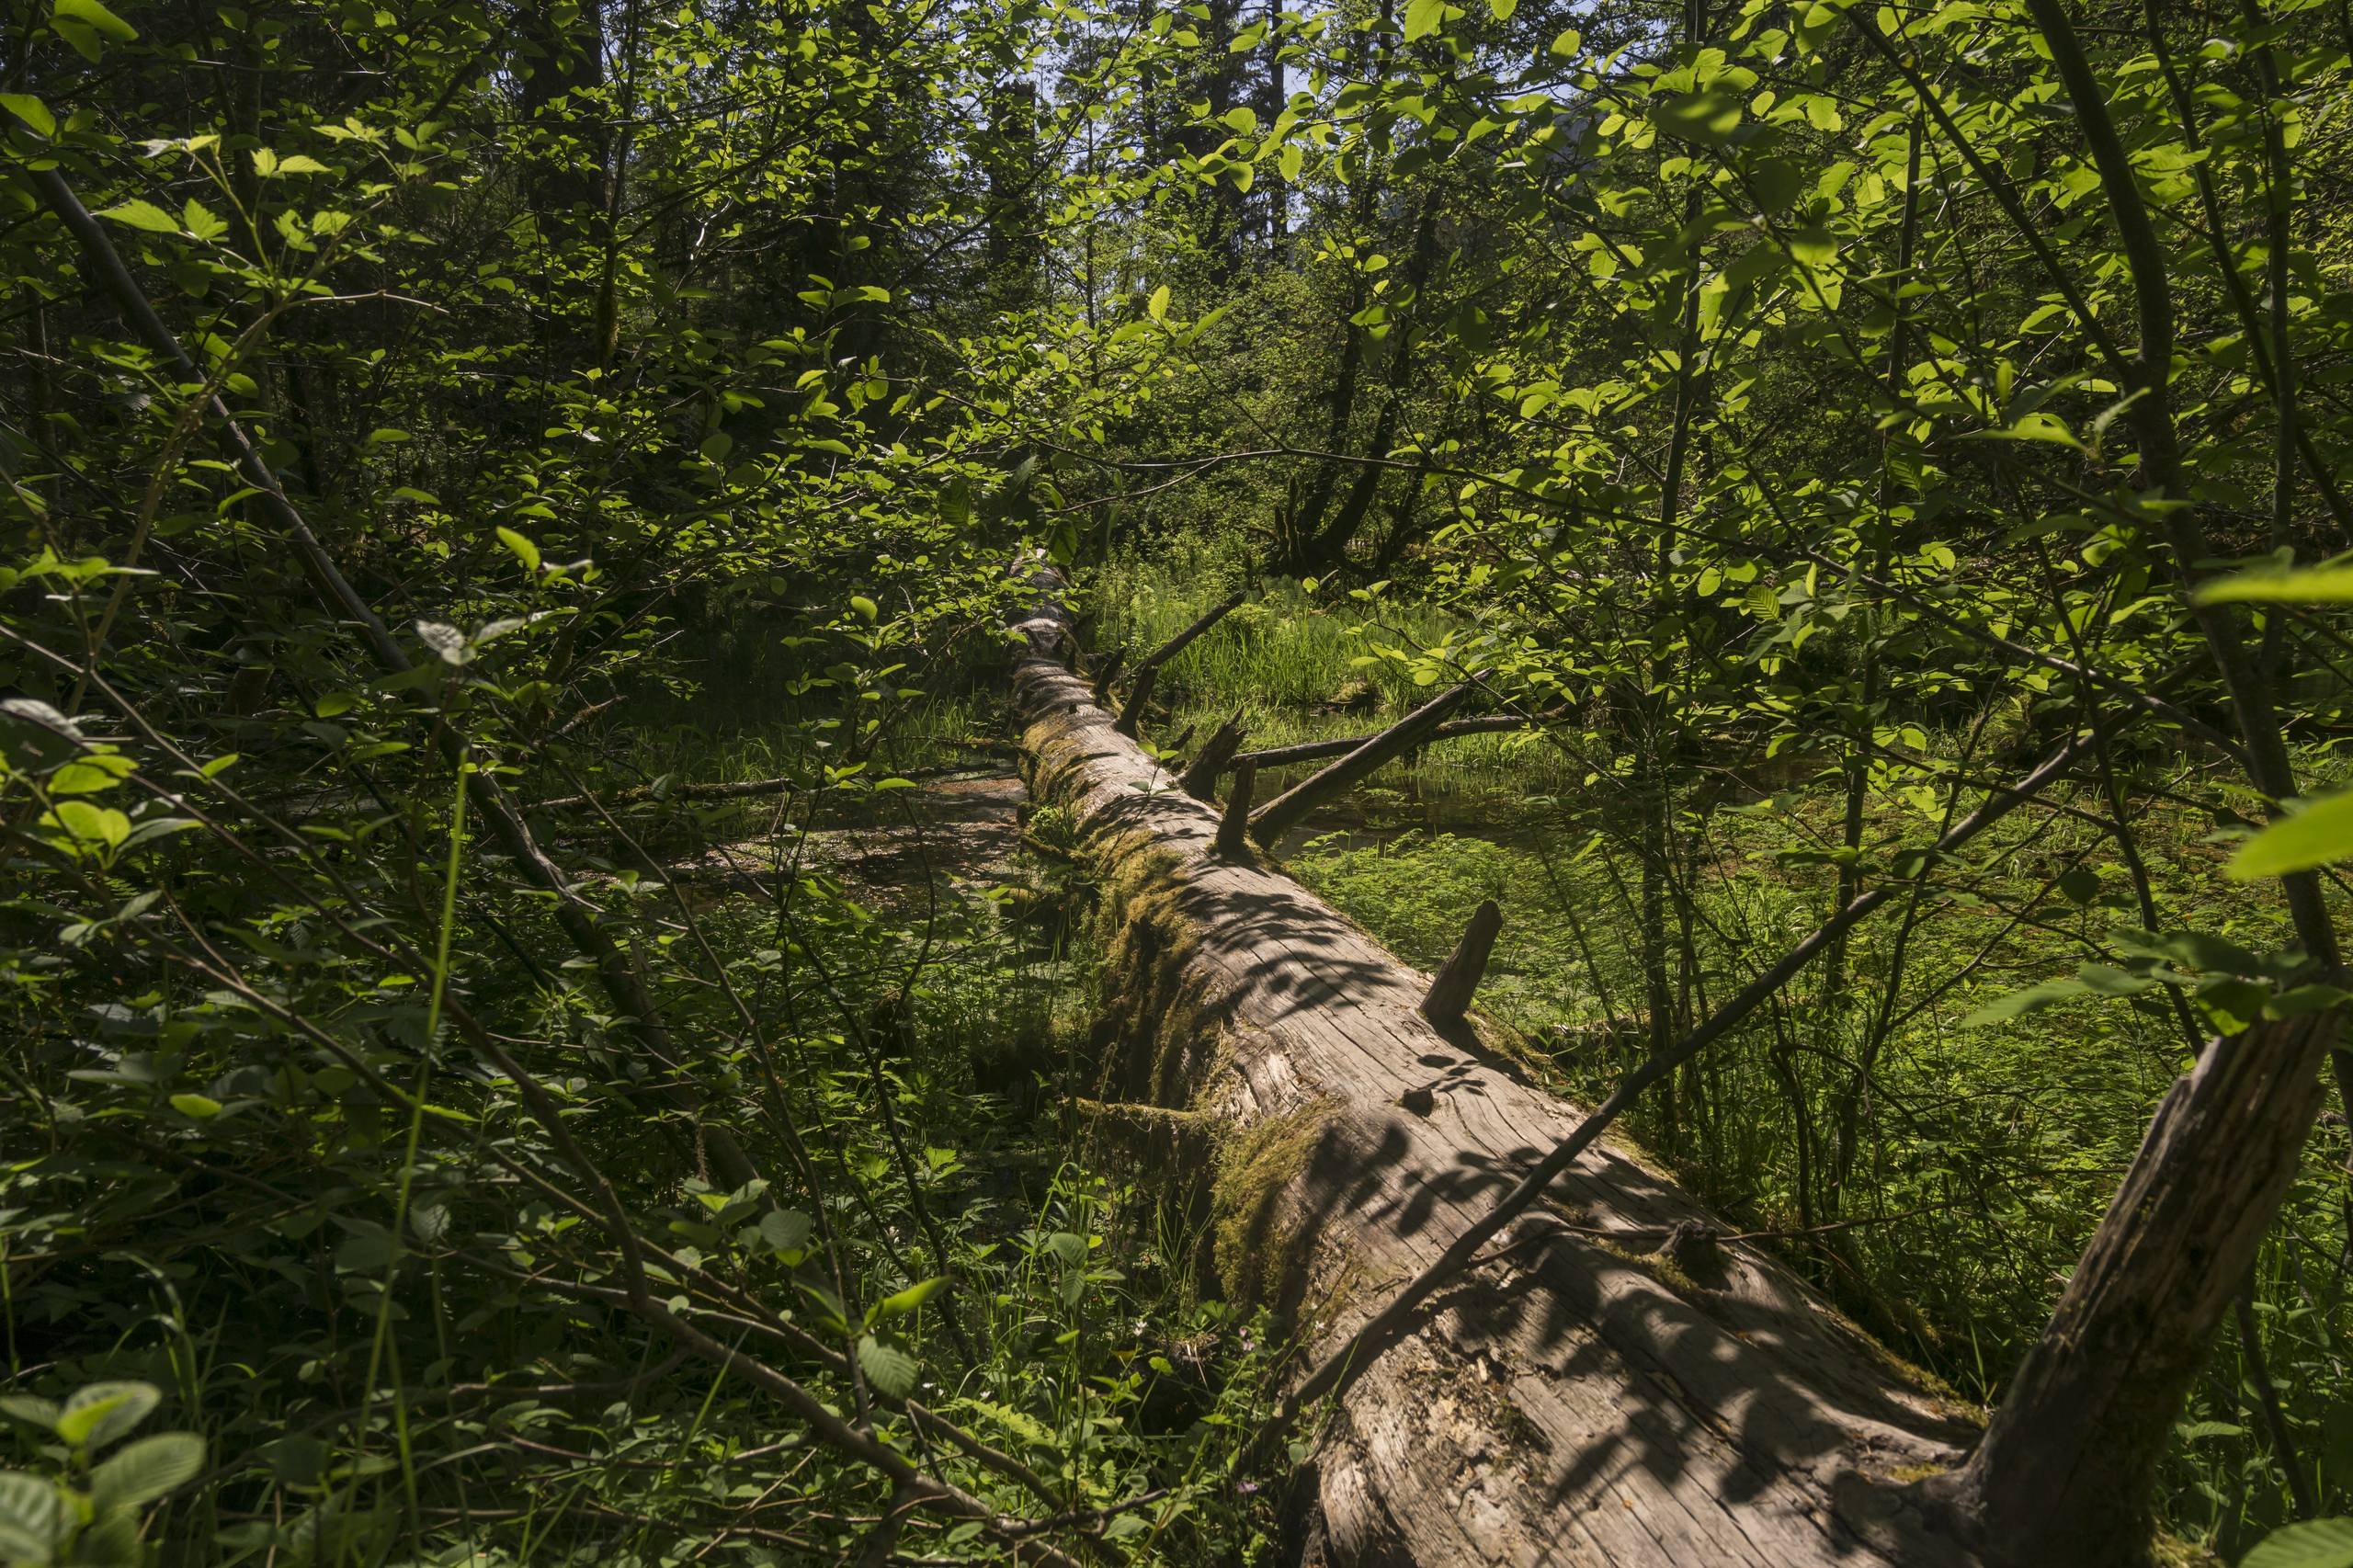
(84, 1508)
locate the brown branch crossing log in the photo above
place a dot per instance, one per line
(1270, 821)
(1201, 776)
(1140, 691)
(1458, 978)
(1565, 1401)
(1316, 751)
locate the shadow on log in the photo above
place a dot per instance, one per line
(1566, 1400)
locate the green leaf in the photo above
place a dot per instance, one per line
(888, 1368)
(32, 1411)
(31, 1517)
(96, 18)
(92, 825)
(2319, 833)
(2319, 1543)
(98, 1414)
(201, 222)
(1289, 161)
(1422, 18)
(31, 110)
(1813, 246)
(1157, 306)
(201, 1108)
(2313, 585)
(1709, 117)
(2019, 1003)
(784, 1228)
(906, 1301)
(446, 640)
(1502, 8)
(867, 608)
(143, 1471)
(143, 215)
(90, 775)
(525, 550)
(1242, 118)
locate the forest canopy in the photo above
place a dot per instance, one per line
(651, 655)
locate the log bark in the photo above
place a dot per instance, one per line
(1567, 1401)
(1270, 821)
(2065, 1472)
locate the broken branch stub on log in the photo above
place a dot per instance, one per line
(1286, 810)
(1458, 978)
(2063, 1474)
(1107, 672)
(1563, 1401)
(1208, 617)
(1201, 776)
(1139, 694)
(1234, 827)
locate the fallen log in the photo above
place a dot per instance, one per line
(1568, 1400)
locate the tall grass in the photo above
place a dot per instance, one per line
(1302, 667)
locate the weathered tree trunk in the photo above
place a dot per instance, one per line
(1578, 1399)
(2065, 1472)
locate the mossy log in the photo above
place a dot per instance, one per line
(1566, 1403)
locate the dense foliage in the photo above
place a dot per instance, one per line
(503, 501)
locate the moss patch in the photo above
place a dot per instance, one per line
(1255, 1165)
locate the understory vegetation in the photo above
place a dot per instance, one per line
(541, 1028)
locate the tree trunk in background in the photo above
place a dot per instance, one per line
(1015, 248)
(1326, 547)
(1274, 195)
(557, 61)
(2065, 1475)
